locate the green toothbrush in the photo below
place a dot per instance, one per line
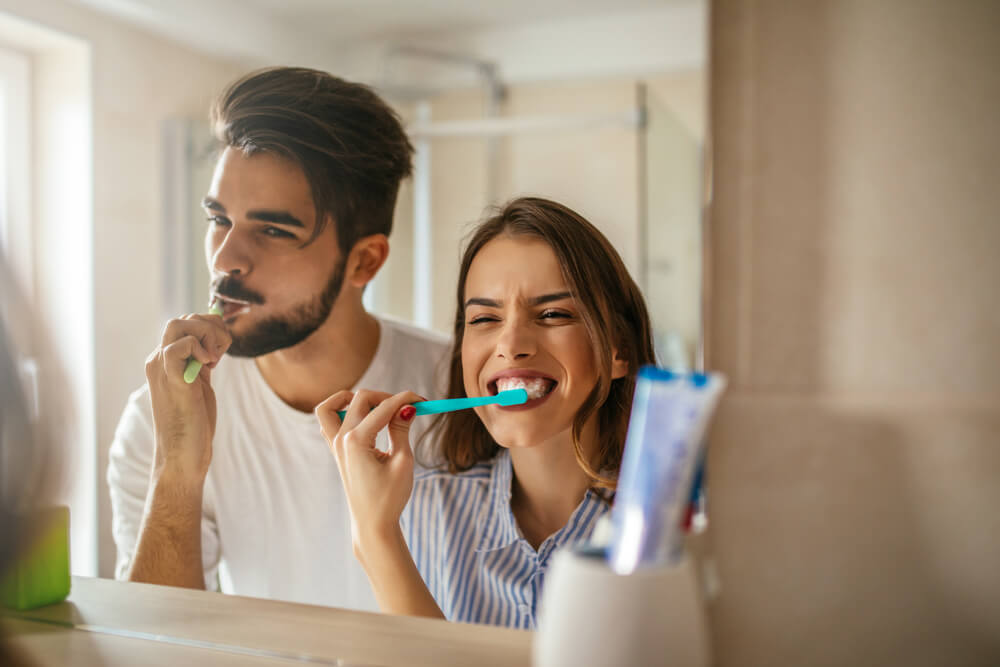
(193, 365)
(509, 397)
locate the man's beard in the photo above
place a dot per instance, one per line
(282, 331)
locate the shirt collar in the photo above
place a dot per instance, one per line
(498, 527)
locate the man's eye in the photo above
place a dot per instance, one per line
(278, 233)
(218, 221)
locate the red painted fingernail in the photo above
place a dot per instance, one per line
(407, 413)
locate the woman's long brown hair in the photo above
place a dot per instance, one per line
(612, 309)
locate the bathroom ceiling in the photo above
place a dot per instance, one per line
(554, 38)
(214, 23)
(393, 18)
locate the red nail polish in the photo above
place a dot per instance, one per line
(407, 413)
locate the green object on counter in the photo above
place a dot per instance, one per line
(40, 574)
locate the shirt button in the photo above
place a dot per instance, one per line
(524, 609)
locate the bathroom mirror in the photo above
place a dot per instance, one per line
(598, 104)
(508, 105)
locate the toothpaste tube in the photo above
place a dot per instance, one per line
(670, 413)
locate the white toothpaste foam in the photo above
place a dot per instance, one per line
(536, 387)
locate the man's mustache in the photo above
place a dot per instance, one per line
(231, 288)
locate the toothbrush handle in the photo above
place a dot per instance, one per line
(191, 370)
(443, 405)
(450, 404)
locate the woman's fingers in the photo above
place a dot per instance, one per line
(353, 437)
(361, 405)
(326, 413)
(399, 437)
(380, 415)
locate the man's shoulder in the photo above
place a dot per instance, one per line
(138, 409)
(411, 358)
(406, 334)
(140, 396)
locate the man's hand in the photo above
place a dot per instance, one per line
(184, 414)
(168, 551)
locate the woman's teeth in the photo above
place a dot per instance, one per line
(536, 387)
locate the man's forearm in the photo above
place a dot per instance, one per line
(168, 550)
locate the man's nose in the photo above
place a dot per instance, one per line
(516, 341)
(228, 253)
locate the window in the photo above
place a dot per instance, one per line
(15, 164)
(46, 234)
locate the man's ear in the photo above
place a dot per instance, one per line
(619, 366)
(367, 257)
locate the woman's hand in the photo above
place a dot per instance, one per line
(378, 484)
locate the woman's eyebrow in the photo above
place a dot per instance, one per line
(535, 301)
(479, 301)
(545, 298)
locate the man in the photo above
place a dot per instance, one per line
(228, 479)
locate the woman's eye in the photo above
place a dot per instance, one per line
(480, 319)
(554, 314)
(217, 221)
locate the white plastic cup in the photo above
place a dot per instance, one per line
(590, 615)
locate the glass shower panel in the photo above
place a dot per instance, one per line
(190, 154)
(672, 162)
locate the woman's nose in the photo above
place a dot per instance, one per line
(516, 341)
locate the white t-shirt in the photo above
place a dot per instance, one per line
(275, 522)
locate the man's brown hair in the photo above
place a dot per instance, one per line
(612, 309)
(346, 139)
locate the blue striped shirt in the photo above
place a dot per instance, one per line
(469, 550)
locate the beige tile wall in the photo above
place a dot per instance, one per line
(855, 263)
(137, 81)
(594, 171)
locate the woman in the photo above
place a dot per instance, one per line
(544, 303)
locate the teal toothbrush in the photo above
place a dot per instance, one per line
(193, 365)
(509, 397)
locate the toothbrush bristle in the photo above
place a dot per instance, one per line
(513, 397)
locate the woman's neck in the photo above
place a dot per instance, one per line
(548, 485)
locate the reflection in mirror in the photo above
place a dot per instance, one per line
(595, 104)
(671, 254)
(623, 148)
